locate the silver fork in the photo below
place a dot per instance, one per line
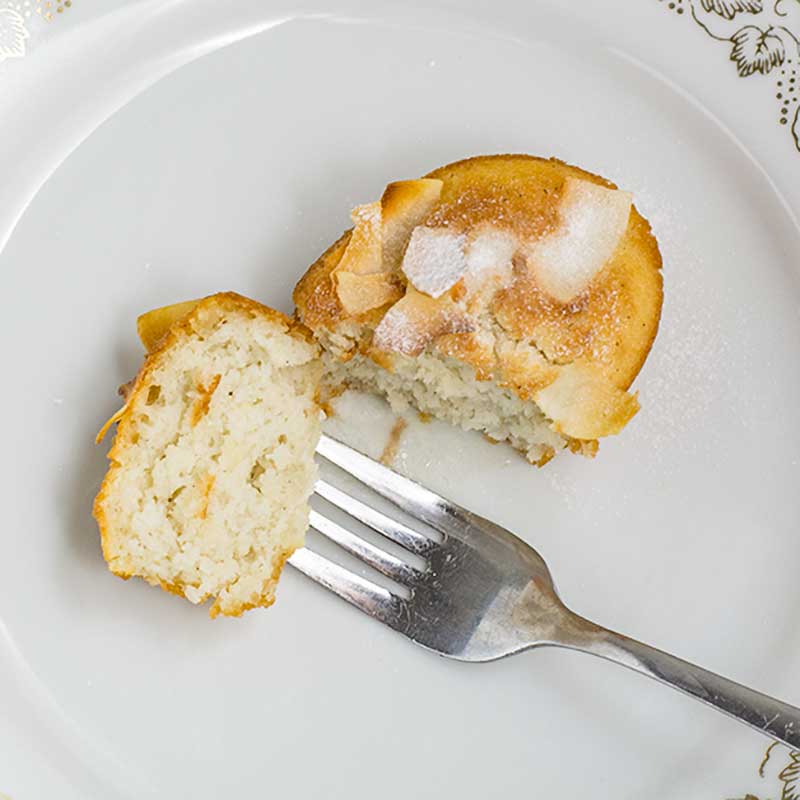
(484, 593)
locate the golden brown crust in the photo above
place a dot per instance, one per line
(612, 325)
(603, 332)
(315, 294)
(361, 293)
(404, 205)
(502, 191)
(153, 325)
(616, 321)
(263, 601)
(180, 328)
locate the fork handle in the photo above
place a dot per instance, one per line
(765, 714)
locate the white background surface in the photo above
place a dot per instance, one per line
(234, 172)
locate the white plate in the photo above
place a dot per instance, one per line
(234, 171)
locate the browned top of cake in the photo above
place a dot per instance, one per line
(542, 276)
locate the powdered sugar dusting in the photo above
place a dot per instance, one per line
(603, 337)
(489, 257)
(688, 377)
(434, 260)
(494, 205)
(369, 214)
(593, 220)
(416, 320)
(400, 332)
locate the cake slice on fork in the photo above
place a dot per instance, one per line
(213, 463)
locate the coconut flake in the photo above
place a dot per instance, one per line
(434, 260)
(404, 205)
(416, 320)
(593, 220)
(363, 254)
(489, 257)
(360, 293)
(400, 332)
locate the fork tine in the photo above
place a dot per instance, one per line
(387, 564)
(404, 493)
(372, 599)
(401, 534)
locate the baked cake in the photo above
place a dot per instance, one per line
(212, 466)
(512, 295)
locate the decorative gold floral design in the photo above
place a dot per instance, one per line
(19, 19)
(755, 50)
(786, 781)
(767, 44)
(13, 34)
(730, 8)
(47, 9)
(790, 777)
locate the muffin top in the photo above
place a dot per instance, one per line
(541, 276)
